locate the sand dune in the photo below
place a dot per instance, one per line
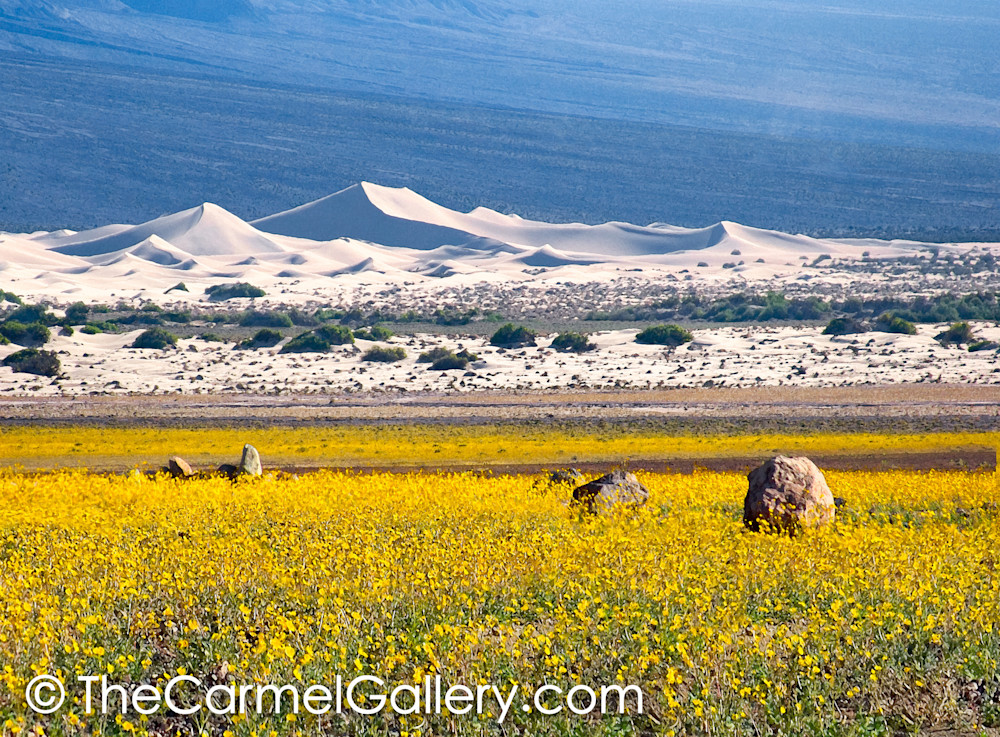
(368, 235)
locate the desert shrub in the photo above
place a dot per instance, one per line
(178, 287)
(10, 297)
(844, 326)
(265, 338)
(212, 338)
(957, 334)
(335, 334)
(449, 363)
(91, 330)
(982, 345)
(34, 361)
(150, 307)
(178, 316)
(378, 332)
(511, 336)
(384, 354)
(4, 340)
(572, 343)
(220, 292)
(76, 313)
(302, 319)
(157, 338)
(28, 314)
(310, 342)
(326, 314)
(268, 319)
(449, 316)
(890, 323)
(434, 354)
(668, 335)
(66, 330)
(33, 334)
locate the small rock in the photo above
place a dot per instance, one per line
(179, 468)
(250, 462)
(228, 469)
(839, 502)
(566, 476)
(787, 494)
(610, 491)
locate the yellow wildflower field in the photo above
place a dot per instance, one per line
(885, 622)
(392, 445)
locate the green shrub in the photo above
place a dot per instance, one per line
(335, 334)
(326, 314)
(957, 334)
(255, 319)
(265, 338)
(572, 343)
(434, 354)
(178, 287)
(890, 323)
(310, 342)
(150, 307)
(212, 338)
(91, 330)
(668, 335)
(28, 335)
(449, 363)
(10, 297)
(302, 319)
(157, 338)
(379, 332)
(28, 314)
(844, 326)
(76, 313)
(982, 345)
(4, 340)
(33, 361)
(66, 330)
(220, 292)
(384, 354)
(178, 316)
(511, 336)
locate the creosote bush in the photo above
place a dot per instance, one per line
(513, 336)
(156, 338)
(34, 361)
(384, 354)
(668, 335)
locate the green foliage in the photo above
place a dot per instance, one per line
(309, 342)
(572, 343)
(91, 330)
(434, 354)
(178, 287)
(32, 313)
(156, 338)
(887, 322)
(10, 297)
(844, 326)
(384, 354)
(378, 332)
(449, 363)
(335, 334)
(265, 338)
(150, 307)
(33, 334)
(957, 334)
(982, 345)
(269, 319)
(511, 336)
(326, 314)
(33, 361)
(220, 292)
(302, 319)
(77, 313)
(669, 335)
(212, 338)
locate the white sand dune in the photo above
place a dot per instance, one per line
(368, 235)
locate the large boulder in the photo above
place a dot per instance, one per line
(250, 462)
(179, 468)
(787, 494)
(612, 490)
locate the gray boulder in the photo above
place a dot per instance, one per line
(250, 462)
(566, 476)
(611, 491)
(787, 494)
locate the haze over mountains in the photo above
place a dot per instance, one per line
(827, 117)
